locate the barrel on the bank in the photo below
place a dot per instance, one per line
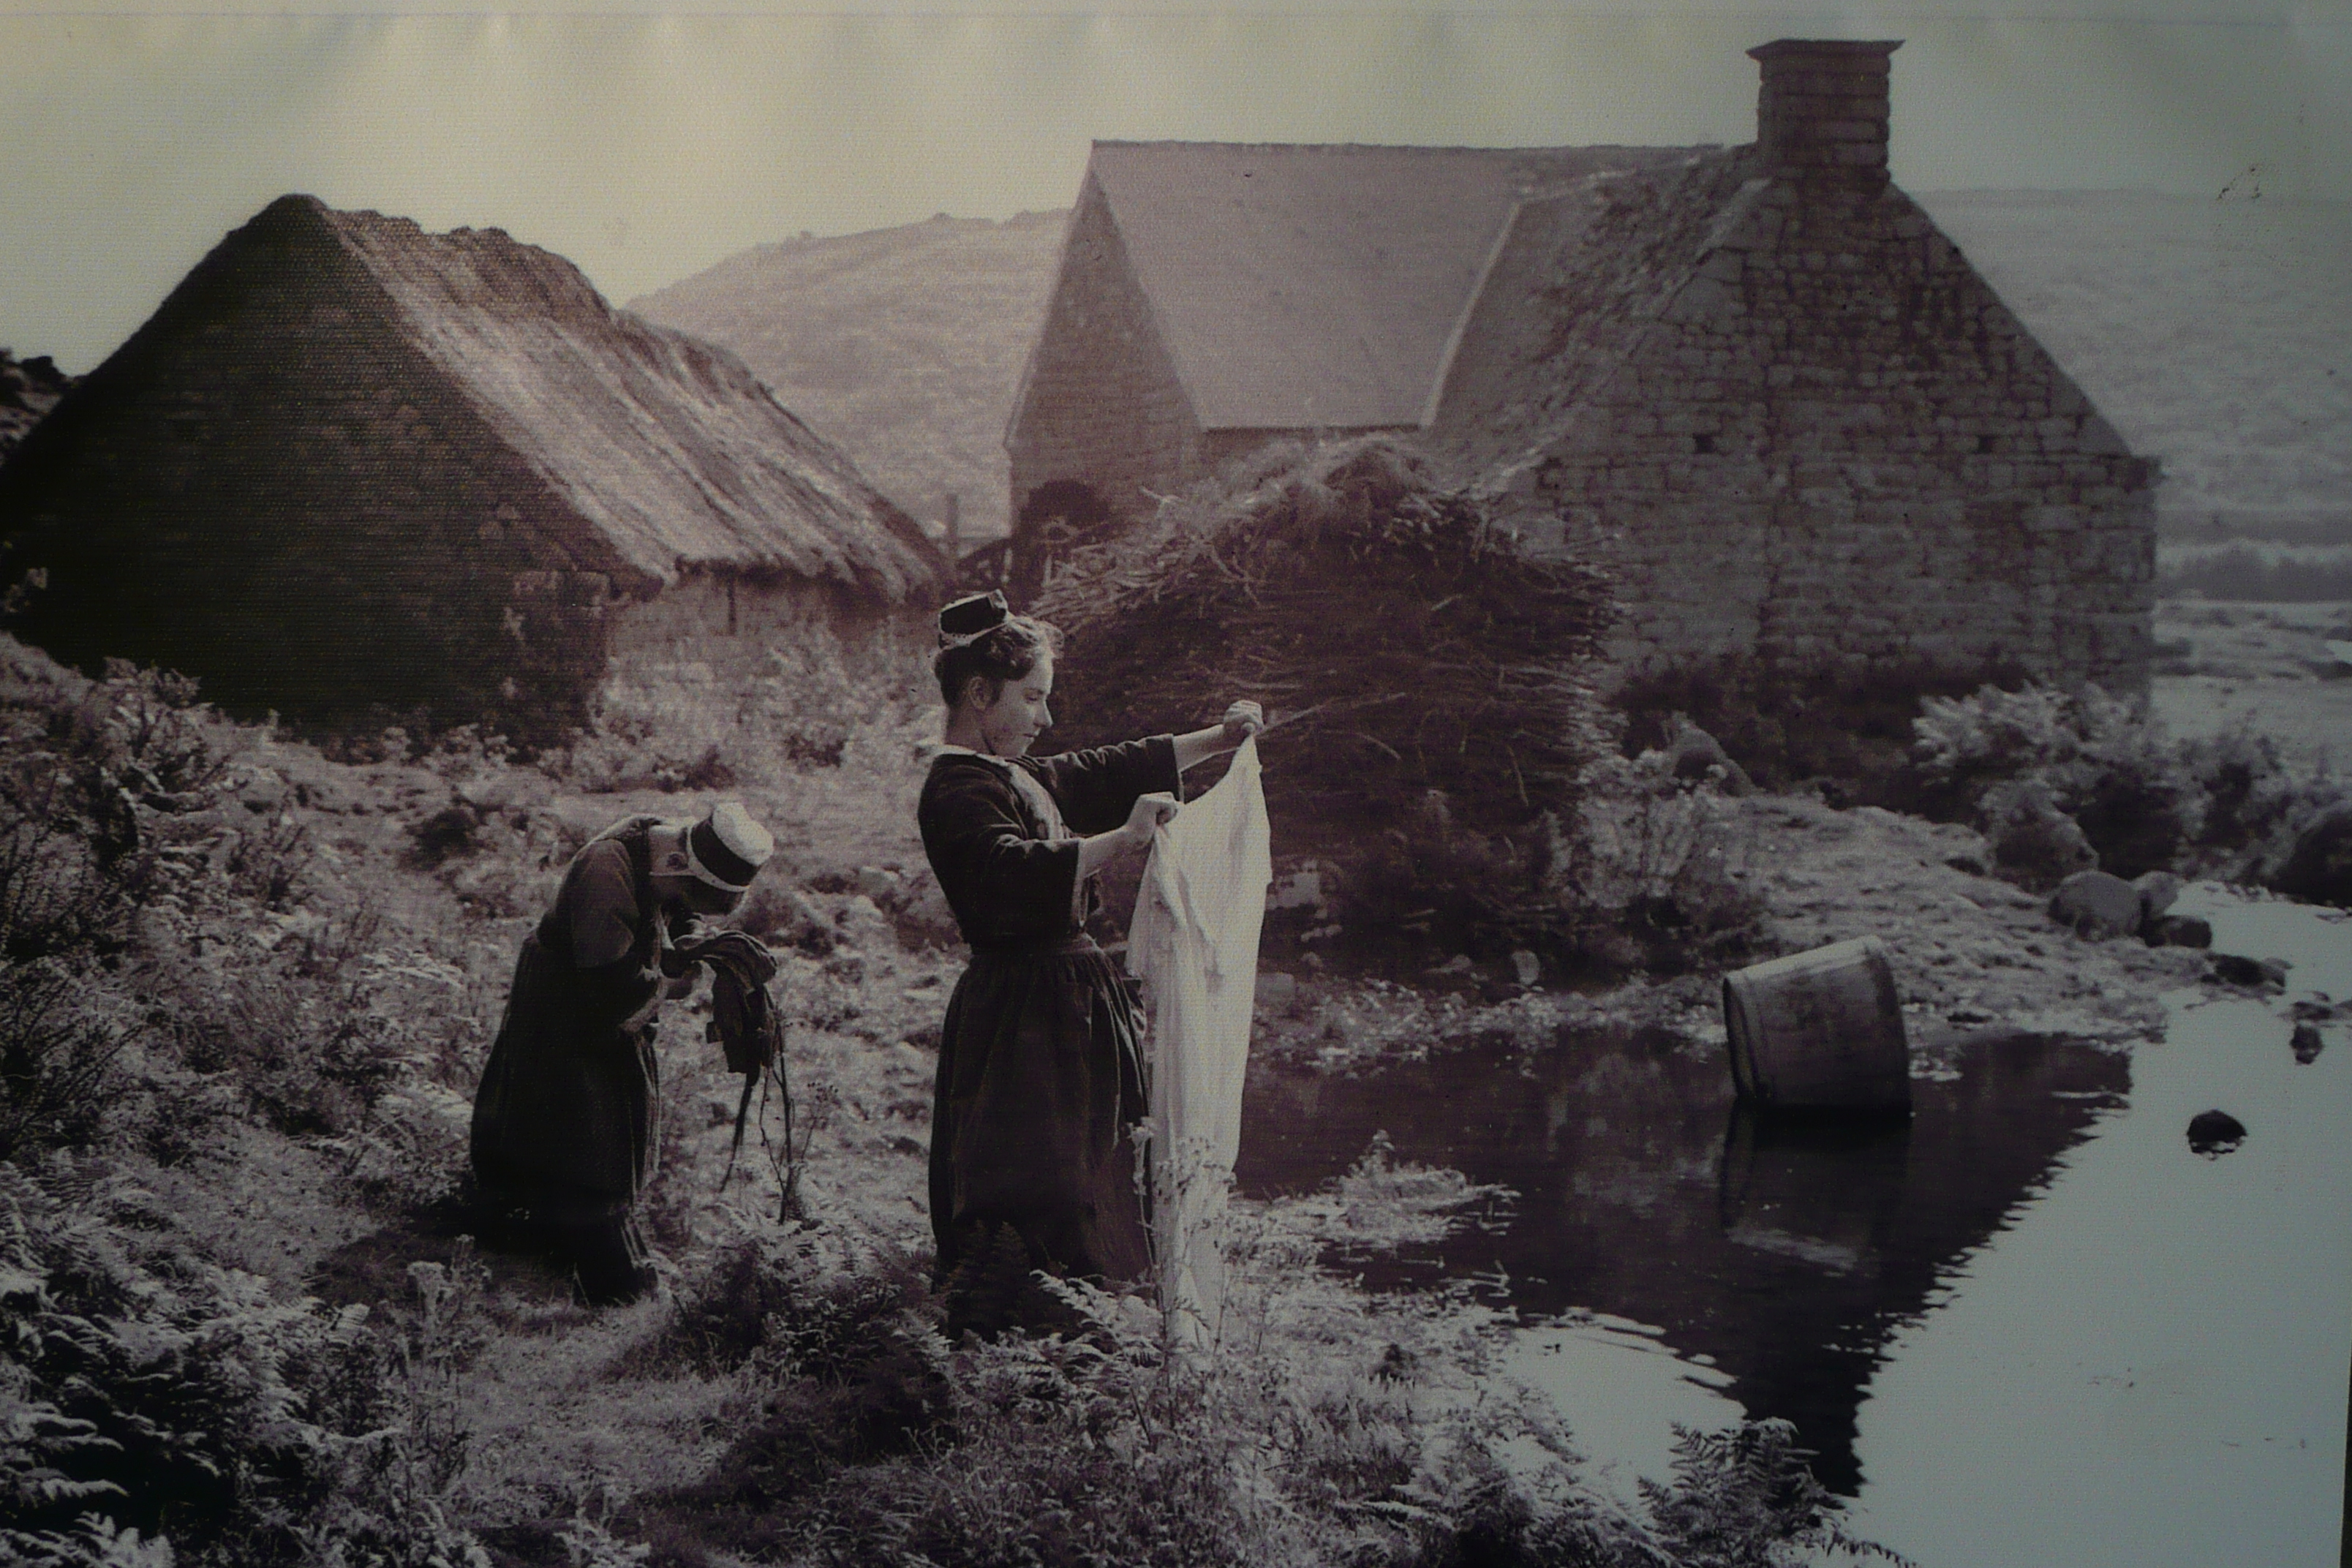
(1819, 1030)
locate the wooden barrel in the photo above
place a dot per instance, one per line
(1819, 1030)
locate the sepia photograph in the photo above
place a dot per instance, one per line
(1429, 786)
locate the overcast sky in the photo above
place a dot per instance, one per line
(646, 145)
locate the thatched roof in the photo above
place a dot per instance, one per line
(672, 455)
(666, 445)
(1302, 287)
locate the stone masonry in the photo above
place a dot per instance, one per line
(283, 486)
(1110, 405)
(1802, 428)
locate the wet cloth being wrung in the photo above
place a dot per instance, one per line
(1193, 943)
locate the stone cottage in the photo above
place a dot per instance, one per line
(351, 470)
(1756, 379)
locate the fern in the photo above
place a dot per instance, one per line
(159, 1408)
(1745, 1497)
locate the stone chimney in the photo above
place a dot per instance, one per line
(1822, 108)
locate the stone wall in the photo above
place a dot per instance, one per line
(1834, 446)
(268, 489)
(731, 622)
(1101, 405)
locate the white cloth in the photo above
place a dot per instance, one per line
(1193, 943)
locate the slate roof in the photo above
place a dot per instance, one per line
(1575, 284)
(1321, 286)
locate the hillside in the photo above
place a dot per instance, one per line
(2216, 334)
(902, 345)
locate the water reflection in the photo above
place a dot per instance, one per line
(1783, 1251)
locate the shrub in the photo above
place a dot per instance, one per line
(1647, 870)
(1786, 725)
(94, 776)
(62, 1057)
(2105, 765)
(807, 1302)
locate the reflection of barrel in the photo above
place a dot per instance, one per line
(1820, 1029)
(1823, 1191)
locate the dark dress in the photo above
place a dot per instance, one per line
(564, 1120)
(1041, 1074)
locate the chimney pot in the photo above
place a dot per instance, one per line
(1822, 108)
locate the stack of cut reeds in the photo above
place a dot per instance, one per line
(1427, 676)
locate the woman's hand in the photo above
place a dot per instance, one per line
(1242, 720)
(1146, 816)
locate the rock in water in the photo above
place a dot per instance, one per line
(2180, 930)
(2214, 1133)
(2097, 904)
(2237, 969)
(2307, 1043)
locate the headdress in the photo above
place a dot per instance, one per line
(726, 847)
(972, 617)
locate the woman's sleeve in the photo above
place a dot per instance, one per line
(979, 847)
(601, 913)
(1096, 788)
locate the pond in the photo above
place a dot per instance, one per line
(2031, 1325)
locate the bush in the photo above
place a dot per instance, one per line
(2106, 765)
(805, 1302)
(1645, 871)
(1786, 726)
(1321, 1431)
(95, 777)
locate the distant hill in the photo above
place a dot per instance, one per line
(903, 345)
(2215, 334)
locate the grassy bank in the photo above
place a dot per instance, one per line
(257, 1320)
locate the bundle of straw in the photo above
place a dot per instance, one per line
(1426, 674)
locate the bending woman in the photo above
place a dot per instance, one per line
(1040, 1076)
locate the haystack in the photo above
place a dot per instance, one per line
(1427, 678)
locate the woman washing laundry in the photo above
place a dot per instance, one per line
(1040, 1076)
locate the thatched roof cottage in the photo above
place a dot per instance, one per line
(349, 468)
(1757, 379)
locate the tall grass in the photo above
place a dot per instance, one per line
(665, 722)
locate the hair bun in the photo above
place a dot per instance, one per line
(972, 615)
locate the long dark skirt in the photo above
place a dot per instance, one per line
(567, 1104)
(1040, 1084)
